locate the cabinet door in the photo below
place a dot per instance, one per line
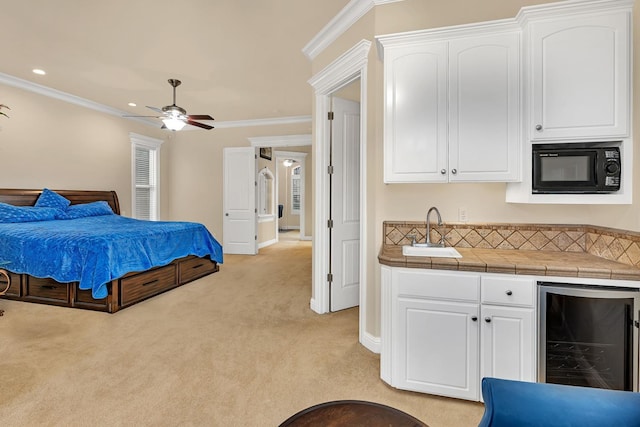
(580, 77)
(437, 348)
(508, 343)
(415, 116)
(484, 108)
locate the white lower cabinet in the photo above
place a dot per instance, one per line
(437, 348)
(444, 331)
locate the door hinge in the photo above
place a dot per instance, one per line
(255, 183)
(330, 169)
(330, 277)
(256, 210)
(255, 237)
(330, 223)
(330, 115)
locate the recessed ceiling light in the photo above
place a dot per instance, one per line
(39, 71)
(132, 104)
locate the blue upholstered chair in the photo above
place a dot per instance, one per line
(518, 404)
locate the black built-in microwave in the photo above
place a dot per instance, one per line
(576, 168)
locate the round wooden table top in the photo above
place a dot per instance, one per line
(352, 413)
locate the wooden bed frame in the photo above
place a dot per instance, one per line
(123, 292)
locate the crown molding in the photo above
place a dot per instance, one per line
(552, 10)
(67, 97)
(444, 33)
(541, 11)
(348, 16)
(262, 122)
(280, 141)
(82, 102)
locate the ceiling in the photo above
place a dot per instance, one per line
(237, 59)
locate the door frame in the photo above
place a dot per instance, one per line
(344, 70)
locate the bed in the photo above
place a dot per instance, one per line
(85, 255)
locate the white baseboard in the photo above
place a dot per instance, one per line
(290, 227)
(370, 342)
(267, 243)
(315, 306)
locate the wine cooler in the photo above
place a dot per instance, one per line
(588, 336)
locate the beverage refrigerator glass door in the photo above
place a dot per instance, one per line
(575, 168)
(588, 336)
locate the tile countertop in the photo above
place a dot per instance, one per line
(529, 262)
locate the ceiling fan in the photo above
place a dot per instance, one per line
(174, 117)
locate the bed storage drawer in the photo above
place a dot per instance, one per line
(140, 286)
(46, 290)
(193, 268)
(84, 299)
(15, 288)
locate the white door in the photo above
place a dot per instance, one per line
(345, 205)
(239, 182)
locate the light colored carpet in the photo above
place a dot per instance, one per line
(238, 348)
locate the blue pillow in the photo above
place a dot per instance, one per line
(51, 199)
(11, 213)
(85, 209)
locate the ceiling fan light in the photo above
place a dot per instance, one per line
(173, 123)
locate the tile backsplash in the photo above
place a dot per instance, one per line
(617, 245)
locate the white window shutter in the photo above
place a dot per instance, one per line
(145, 177)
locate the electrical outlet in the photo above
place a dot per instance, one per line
(462, 215)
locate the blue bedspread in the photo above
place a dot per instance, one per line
(96, 250)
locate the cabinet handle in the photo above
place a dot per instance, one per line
(538, 127)
(474, 318)
(443, 171)
(454, 171)
(487, 319)
(509, 292)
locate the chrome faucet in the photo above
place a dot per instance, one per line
(428, 243)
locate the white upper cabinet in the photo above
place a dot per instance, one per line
(415, 113)
(580, 80)
(484, 108)
(452, 106)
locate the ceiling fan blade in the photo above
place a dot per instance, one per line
(155, 117)
(157, 110)
(200, 117)
(200, 125)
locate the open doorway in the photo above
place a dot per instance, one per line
(274, 184)
(291, 194)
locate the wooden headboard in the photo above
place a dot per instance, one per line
(21, 197)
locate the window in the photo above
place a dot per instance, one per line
(295, 190)
(265, 194)
(145, 175)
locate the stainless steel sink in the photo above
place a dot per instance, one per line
(430, 251)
